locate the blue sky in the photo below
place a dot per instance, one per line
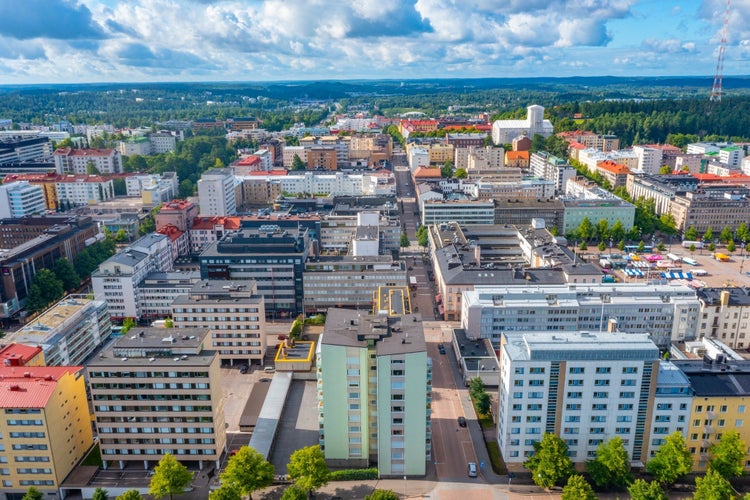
(72, 41)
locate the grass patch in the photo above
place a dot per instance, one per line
(354, 474)
(94, 457)
(493, 449)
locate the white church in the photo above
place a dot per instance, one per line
(504, 131)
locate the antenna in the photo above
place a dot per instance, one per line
(719, 75)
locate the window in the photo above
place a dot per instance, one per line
(741, 409)
(630, 382)
(599, 407)
(598, 418)
(576, 369)
(517, 407)
(536, 395)
(534, 407)
(573, 418)
(573, 406)
(601, 382)
(575, 395)
(627, 395)
(518, 371)
(601, 395)
(624, 418)
(624, 406)
(536, 370)
(723, 409)
(738, 422)
(536, 383)
(575, 382)
(518, 383)
(517, 395)
(630, 369)
(603, 369)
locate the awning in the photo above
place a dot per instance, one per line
(438, 298)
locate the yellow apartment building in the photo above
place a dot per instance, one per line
(45, 429)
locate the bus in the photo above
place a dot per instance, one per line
(634, 249)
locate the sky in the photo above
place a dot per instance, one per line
(86, 41)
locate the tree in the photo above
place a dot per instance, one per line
(643, 490)
(641, 246)
(731, 247)
(382, 495)
(422, 238)
(225, 492)
(585, 229)
(100, 494)
(121, 235)
(484, 403)
(672, 460)
(187, 188)
(709, 234)
(692, 248)
(711, 246)
(602, 246)
(307, 466)
(404, 240)
(91, 169)
(621, 245)
(297, 163)
(602, 229)
(45, 288)
(446, 172)
(32, 494)
(661, 247)
(247, 471)
(665, 169)
(583, 245)
(712, 487)
(476, 387)
(728, 455)
(170, 478)
(743, 234)
(147, 226)
(294, 493)
(611, 467)
(131, 495)
(725, 235)
(168, 323)
(461, 173)
(127, 324)
(66, 273)
(577, 489)
(691, 234)
(550, 464)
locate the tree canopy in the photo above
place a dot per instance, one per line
(45, 289)
(32, 494)
(382, 495)
(131, 495)
(645, 490)
(672, 460)
(307, 467)
(611, 467)
(170, 478)
(728, 455)
(66, 273)
(712, 486)
(247, 471)
(577, 489)
(550, 464)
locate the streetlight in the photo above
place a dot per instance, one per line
(404, 486)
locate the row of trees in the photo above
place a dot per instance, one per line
(550, 465)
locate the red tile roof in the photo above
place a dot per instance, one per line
(175, 205)
(248, 160)
(30, 387)
(427, 173)
(613, 167)
(202, 223)
(17, 354)
(171, 231)
(270, 172)
(517, 155)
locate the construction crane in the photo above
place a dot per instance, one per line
(719, 75)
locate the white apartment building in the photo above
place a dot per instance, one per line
(669, 313)
(590, 157)
(162, 142)
(138, 145)
(732, 156)
(584, 387)
(158, 290)
(671, 407)
(550, 167)
(504, 131)
(418, 157)
(479, 159)
(649, 159)
(20, 199)
(80, 190)
(76, 161)
(216, 193)
(724, 315)
(461, 211)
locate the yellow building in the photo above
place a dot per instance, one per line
(45, 430)
(721, 403)
(21, 355)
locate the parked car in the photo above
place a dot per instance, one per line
(472, 469)
(244, 369)
(462, 421)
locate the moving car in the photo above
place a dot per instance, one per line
(462, 421)
(472, 469)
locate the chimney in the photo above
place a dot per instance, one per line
(724, 297)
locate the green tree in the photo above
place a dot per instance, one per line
(728, 455)
(672, 460)
(422, 237)
(404, 240)
(711, 246)
(484, 403)
(66, 273)
(127, 324)
(45, 288)
(307, 466)
(32, 494)
(294, 492)
(644, 490)
(168, 323)
(583, 245)
(247, 471)
(170, 478)
(100, 494)
(225, 492)
(550, 464)
(661, 247)
(725, 235)
(709, 234)
(712, 487)
(611, 467)
(476, 387)
(621, 245)
(131, 495)
(446, 171)
(602, 229)
(665, 169)
(743, 234)
(585, 230)
(119, 186)
(187, 188)
(461, 173)
(91, 169)
(602, 246)
(692, 248)
(691, 234)
(297, 163)
(121, 235)
(148, 225)
(382, 495)
(731, 247)
(577, 489)
(617, 231)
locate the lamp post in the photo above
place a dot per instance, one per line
(405, 487)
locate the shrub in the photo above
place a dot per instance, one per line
(354, 474)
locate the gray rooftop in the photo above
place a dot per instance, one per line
(737, 296)
(580, 346)
(392, 334)
(167, 347)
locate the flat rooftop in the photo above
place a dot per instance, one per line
(49, 323)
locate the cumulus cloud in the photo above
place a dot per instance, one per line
(670, 46)
(56, 19)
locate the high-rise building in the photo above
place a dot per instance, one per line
(584, 387)
(375, 384)
(157, 391)
(21, 199)
(45, 430)
(216, 193)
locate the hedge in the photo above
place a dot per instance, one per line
(354, 474)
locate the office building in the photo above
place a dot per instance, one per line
(233, 312)
(68, 332)
(584, 387)
(461, 211)
(21, 199)
(374, 392)
(704, 209)
(668, 313)
(158, 290)
(46, 429)
(16, 149)
(587, 139)
(157, 391)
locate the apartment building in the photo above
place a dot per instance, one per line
(374, 392)
(550, 167)
(671, 407)
(157, 391)
(162, 142)
(602, 142)
(158, 290)
(477, 160)
(669, 313)
(465, 140)
(584, 387)
(46, 431)
(21, 199)
(216, 193)
(68, 332)
(233, 312)
(179, 213)
(79, 190)
(649, 159)
(20, 149)
(614, 173)
(322, 157)
(77, 161)
(517, 159)
(21, 355)
(702, 210)
(724, 315)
